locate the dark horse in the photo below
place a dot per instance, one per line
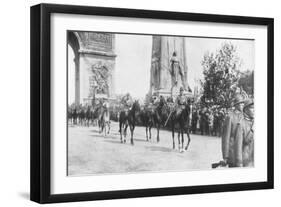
(155, 115)
(160, 115)
(128, 118)
(147, 116)
(180, 121)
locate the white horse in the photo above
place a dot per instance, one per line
(105, 119)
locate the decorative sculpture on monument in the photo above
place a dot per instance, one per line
(100, 76)
(176, 71)
(155, 72)
(168, 66)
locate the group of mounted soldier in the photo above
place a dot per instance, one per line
(90, 114)
(158, 112)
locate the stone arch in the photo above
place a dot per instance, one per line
(94, 55)
(74, 41)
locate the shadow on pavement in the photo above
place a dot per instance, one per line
(95, 131)
(116, 141)
(109, 136)
(158, 148)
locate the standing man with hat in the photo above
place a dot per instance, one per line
(244, 137)
(229, 129)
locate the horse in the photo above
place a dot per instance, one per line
(88, 115)
(95, 113)
(180, 121)
(160, 115)
(74, 116)
(147, 120)
(81, 114)
(128, 118)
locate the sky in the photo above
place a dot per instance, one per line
(134, 58)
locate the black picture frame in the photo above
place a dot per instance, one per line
(41, 102)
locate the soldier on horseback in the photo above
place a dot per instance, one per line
(180, 118)
(126, 102)
(180, 102)
(178, 106)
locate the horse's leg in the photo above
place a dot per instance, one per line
(108, 127)
(132, 134)
(182, 139)
(179, 142)
(125, 132)
(146, 128)
(173, 136)
(150, 132)
(104, 128)
(188, 139)
(158, 128)
(100, 126)
(120, 130)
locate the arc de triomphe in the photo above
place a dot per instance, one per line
(94, 58)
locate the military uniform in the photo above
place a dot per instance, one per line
(180, 103)
(244, 141)
(126, 103)
(229, 133)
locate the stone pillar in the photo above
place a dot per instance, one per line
(77, 79)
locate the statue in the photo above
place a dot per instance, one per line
(176, 70)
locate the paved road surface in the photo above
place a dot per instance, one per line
(91, 153)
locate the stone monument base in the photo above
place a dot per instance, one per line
(172, 93)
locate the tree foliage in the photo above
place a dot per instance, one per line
(221, 75)
(246, 82)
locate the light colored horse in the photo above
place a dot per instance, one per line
(104, 120)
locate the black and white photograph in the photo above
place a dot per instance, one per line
(131, 103)
(139, 103)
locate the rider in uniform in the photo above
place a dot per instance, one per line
(244, 139)
(105, 105)
(229, 131)
(127, 102)
(180, 102)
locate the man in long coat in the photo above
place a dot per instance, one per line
(244, 138)
(229, 129)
